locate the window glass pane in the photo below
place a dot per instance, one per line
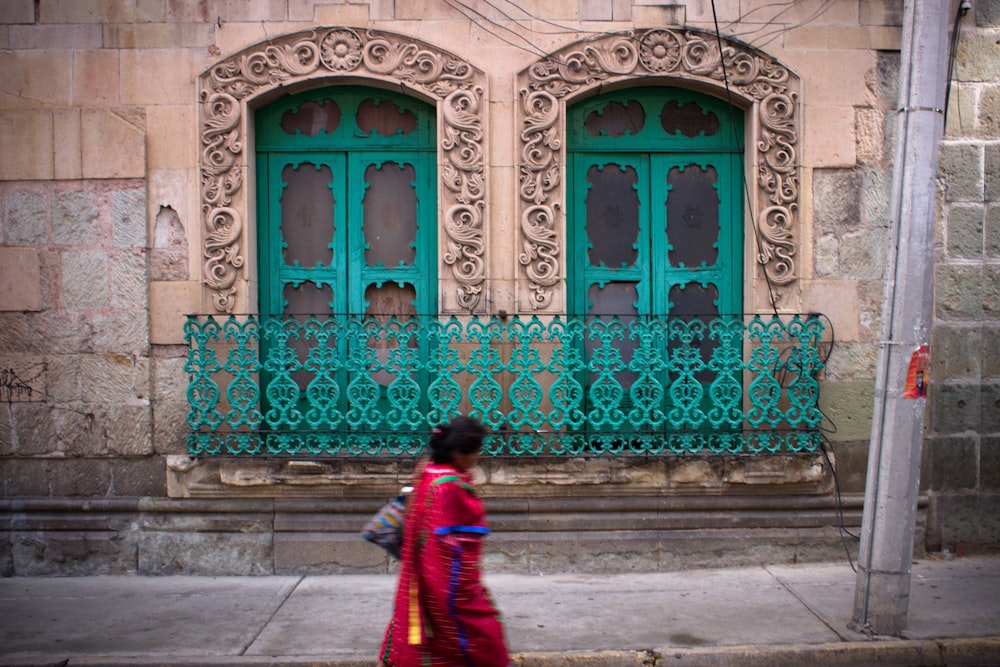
(311, 118)
(308, 299)
(692, 299)
(383, 303)
(390, 300)
(307, 214)
(617, 298)
(390, 209)
(695, 302)
(688, 119)
(302, 301)
(385, 118)
(693, 216)
(615, 119)
(612, 215)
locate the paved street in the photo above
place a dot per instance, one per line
(787, 614)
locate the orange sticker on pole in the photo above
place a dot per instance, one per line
(918, 373)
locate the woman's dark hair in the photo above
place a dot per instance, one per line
(464, 435)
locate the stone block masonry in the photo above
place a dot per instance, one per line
(965, 400)
(75, 378)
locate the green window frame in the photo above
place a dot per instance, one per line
(633, 250)
(353, 169)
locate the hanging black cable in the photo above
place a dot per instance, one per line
(963, 9)
(746, 185)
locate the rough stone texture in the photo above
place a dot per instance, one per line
(862, 254)
(968, 519)
(989, 463)
(992, 240)
(991, 350)
(851, 460)
(75, 217)
(850, 362)
(323, 552)
(987, 13)
(85, 279)
(989, 111)
(954, 407)
(14, 334)
(958, 292)
(6, 433)
(26, 217)
(170, 427)
(961, 118)
(991, 171)
(36, 429)
(989, 408)
(129, 279)
(122, 332)
(20, 279)
(965, 232)
(836, 201)
(80, 477)
(953, 463)
(991, 291)
(848, 406)
(205, 553)
(128, 211)
(957, 352)
(144, 476)
(38, 553)
(114, 378)
(961, 166)
(24, 477)
(59, 332)
(978, 57)
(870, 129)
(123, 430)
(875, 209)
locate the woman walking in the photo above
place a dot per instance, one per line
(443, 615)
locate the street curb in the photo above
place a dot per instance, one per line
(964, 652)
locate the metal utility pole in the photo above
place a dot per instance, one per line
(882, 591)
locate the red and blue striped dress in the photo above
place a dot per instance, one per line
(443, 615)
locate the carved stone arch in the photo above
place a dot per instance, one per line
(331, 53)
(687, 58)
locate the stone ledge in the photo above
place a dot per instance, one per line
(189, 477)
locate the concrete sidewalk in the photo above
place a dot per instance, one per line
(773, 615)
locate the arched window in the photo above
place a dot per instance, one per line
(346, 204)
(655, 215)
(654, 232)
(346, 222)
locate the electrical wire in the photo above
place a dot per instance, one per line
(963, 9)
(746, 185)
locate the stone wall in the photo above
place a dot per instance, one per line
(103, 237)
(963, 441)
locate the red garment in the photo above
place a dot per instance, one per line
(443, 615)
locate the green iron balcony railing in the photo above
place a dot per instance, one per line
(564, 386)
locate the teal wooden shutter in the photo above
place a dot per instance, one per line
(347, 229)
(655, 221)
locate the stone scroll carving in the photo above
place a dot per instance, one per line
(325, 54)
(682, 57)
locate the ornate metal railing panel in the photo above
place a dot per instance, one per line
(566, 386)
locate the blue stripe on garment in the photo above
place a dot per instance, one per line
(475, 530)
(456, 569)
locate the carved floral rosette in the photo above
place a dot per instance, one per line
(683, 57)
(326, 54)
